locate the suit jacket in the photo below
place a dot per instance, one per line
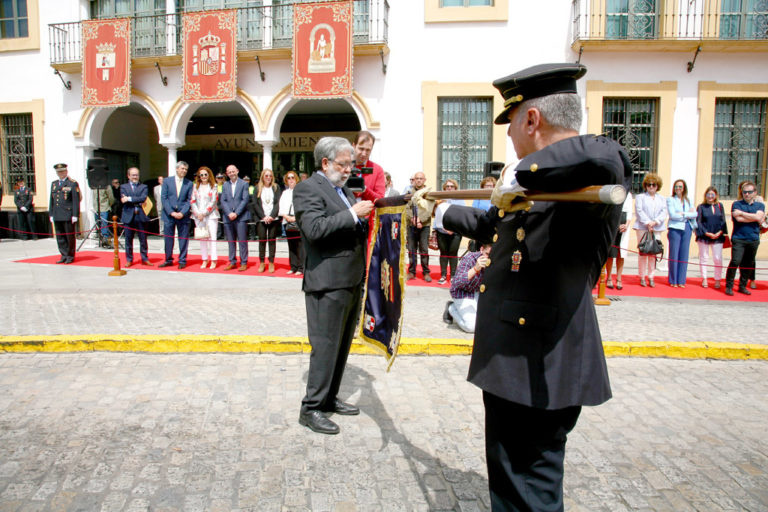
(258, 209)
(334, 254)
(64, 202)
(237, 203)
(537, 341)
(171, 203)
(132, 209)
(23, 198)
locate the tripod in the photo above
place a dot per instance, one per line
(104, 241)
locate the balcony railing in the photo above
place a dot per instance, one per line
(670, 20)
(259, 28)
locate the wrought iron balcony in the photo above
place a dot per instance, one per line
(259, 28)
(669, 20)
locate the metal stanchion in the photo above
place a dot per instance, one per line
(600, 300)
(117, 271)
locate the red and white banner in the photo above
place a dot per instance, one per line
(210, 56)
(322, 50)
(106, 63)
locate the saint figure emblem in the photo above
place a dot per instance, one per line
(105, 60)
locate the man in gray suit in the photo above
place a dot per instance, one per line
(235, 215)
(333, 231)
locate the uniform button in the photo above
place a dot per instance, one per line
(501, 213)
(482, 288)
(534, 167)
(495, 237)
(521, 321)
(488, 264)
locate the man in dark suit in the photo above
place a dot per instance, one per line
(235, 215)
(176, 195)
(537, 354)
(132, 195)
(25, 209)
(333, 231)
(63, 211)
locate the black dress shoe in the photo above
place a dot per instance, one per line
(182, 266)
(344, 409)
(165, 264)
(744, 290)
(317, 421)
(62, 260)
(69, 260)
(447, 317)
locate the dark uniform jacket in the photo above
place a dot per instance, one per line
(23, 198)
(65, 200)
(537, 342)
(333, 242)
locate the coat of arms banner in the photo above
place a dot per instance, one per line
(322, 50)
(210, 56)
(106, 63)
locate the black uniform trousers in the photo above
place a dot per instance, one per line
(743, 254)
(418, 245)
(27, 223)
(65, 238)
(331, 321)
(525, 449)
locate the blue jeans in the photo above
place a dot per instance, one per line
(679, 247)
(104, 223)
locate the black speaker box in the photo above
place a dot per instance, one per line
(98, 173)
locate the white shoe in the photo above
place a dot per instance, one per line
(205, 264)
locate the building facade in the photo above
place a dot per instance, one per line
(682, 84)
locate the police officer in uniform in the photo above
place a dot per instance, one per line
(64, 210)
(25, 209)
(538, 355)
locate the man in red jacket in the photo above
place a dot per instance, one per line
(374, 183)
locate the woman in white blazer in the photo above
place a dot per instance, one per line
(650, 215)
(206, 214)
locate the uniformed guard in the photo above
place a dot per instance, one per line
(63, 211)
(25, 209)
(538, 355)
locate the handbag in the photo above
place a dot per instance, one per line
(291, 226)
(649, 244)
(433, 241)
(202, 233)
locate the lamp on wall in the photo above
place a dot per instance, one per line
(67, 83)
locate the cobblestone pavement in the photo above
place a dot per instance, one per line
(219, 432)
(84, 300)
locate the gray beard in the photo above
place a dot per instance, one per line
(336, 177)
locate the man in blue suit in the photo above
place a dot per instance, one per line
(176, 195)
(132, 196)
(234, 212)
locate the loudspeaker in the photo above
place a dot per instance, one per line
(98, 173)
(492, 169)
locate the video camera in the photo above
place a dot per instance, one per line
(355, 182)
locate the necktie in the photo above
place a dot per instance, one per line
(346, 201)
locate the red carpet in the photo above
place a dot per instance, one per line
(631, 283)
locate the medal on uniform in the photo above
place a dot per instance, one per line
(520, 234)
(517, 257)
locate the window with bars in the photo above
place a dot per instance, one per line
(739, 147)
(14, 21)
(633, 123)
(122, 8)
(744, 19)
(631, 19)
(464, 139)
(17, 150)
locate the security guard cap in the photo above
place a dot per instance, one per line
(535, 82)
(60, 167)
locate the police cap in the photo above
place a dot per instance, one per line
(535, 82)
(60, 167)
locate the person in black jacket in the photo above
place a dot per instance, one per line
(63, 211)
(25, 210)
(265, 205)
(538, 355)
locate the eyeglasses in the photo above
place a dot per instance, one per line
(748, 191)
(203, 175)
(656, 185)
(678, 187)
(711, 194)
(290, 177)
(345, 165)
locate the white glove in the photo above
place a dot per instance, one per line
(24, 209)
(51, 219)
(74, 219)
(509, 198)
(421, 202)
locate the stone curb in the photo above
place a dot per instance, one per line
(192, 343)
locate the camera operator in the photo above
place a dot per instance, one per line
(372, 173)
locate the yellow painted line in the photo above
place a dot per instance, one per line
(185, 343)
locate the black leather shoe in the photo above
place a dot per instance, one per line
(744, 290)
(182, 266)
(447, 317)
(62, 260)
(165, 264)
(728, 291)
(316, 420)
(69, 260)
(344, 409)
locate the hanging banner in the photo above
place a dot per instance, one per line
(106, 63)
(210, 56)
(381, 319)
(322, 50)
